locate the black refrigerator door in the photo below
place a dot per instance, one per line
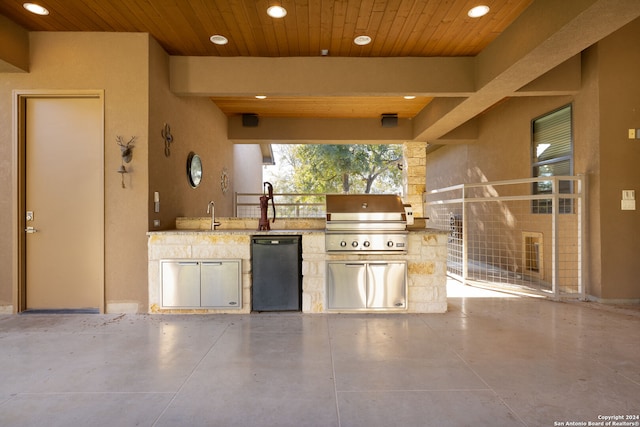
(276, 273)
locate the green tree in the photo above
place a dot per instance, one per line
(342, 168)
(281, 173)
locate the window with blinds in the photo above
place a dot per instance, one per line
(552, 155)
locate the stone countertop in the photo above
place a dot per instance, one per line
(237, 231)
(271, 232)
(248, 226)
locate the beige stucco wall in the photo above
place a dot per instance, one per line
(247, 175)
(132, 69)
(588, 135)
(502, 152)
(607, 104)
(619, 102)
(503, 148)
(196, 125)
(116, 63)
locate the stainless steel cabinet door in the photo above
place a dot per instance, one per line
(221, 286)
(347, 285)
(180, 284)
(386, 285)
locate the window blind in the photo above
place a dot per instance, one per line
(552, 146)
(552, 136)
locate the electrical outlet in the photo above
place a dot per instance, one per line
(156, 223)
(628, 205)
(632, 134)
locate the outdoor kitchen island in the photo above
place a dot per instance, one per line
(425, 259)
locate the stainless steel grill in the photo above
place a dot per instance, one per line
(366, 223)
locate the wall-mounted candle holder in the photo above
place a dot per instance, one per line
(168, 139)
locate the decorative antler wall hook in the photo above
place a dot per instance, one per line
(126, 148)
(126, 151)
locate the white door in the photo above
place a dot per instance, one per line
(64, 203)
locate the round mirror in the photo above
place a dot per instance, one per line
(194, 169)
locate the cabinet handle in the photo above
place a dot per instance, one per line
(212, 263)
(355, 265)
(187, 263)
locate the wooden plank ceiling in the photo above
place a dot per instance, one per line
(420, 28)
(323, 107)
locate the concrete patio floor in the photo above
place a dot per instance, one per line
(492, 360)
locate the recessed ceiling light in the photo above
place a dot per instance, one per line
(362, 40)
(409, 97)
(261, 96)
(35, 8)
(218, 39)
(478, 11)
(277, 12)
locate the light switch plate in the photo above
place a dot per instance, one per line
(628, 194)
(632, 134)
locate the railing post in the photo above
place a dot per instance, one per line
(582, 189)
(555, 211)
(465, 246)
(235, 204)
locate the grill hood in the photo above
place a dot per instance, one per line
(370, 211)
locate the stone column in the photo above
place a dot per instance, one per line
(414, 174)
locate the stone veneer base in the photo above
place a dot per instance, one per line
(426, 262)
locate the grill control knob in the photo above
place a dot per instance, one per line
(343, 244)
(354, 243)
(366, 244)
(390, 244)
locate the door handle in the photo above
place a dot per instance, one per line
(31, 230)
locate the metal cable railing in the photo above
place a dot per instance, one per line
(288, 205)
(500, 236)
